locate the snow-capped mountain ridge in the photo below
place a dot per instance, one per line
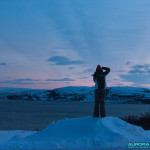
(83, 94)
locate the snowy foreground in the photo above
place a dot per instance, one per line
(86, 132)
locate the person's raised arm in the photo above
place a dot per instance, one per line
(107, 70)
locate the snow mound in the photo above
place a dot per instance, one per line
(86, 132)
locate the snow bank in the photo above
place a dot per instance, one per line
(86, 132)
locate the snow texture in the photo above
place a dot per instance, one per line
(86, 132)
(81, 93)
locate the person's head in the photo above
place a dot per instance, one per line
(98, 68)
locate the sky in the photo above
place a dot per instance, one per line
(46, 44)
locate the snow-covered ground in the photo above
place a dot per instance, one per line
(82, 94)
(85, 132)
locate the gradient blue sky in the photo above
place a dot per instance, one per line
(56, 43)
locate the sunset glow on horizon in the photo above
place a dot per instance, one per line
(51, 44)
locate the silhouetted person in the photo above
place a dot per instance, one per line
(100, 90)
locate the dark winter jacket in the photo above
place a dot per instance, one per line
(99, 78)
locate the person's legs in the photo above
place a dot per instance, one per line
(102, 103)
(96, 106)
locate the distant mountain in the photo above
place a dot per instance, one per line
(83, 94)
